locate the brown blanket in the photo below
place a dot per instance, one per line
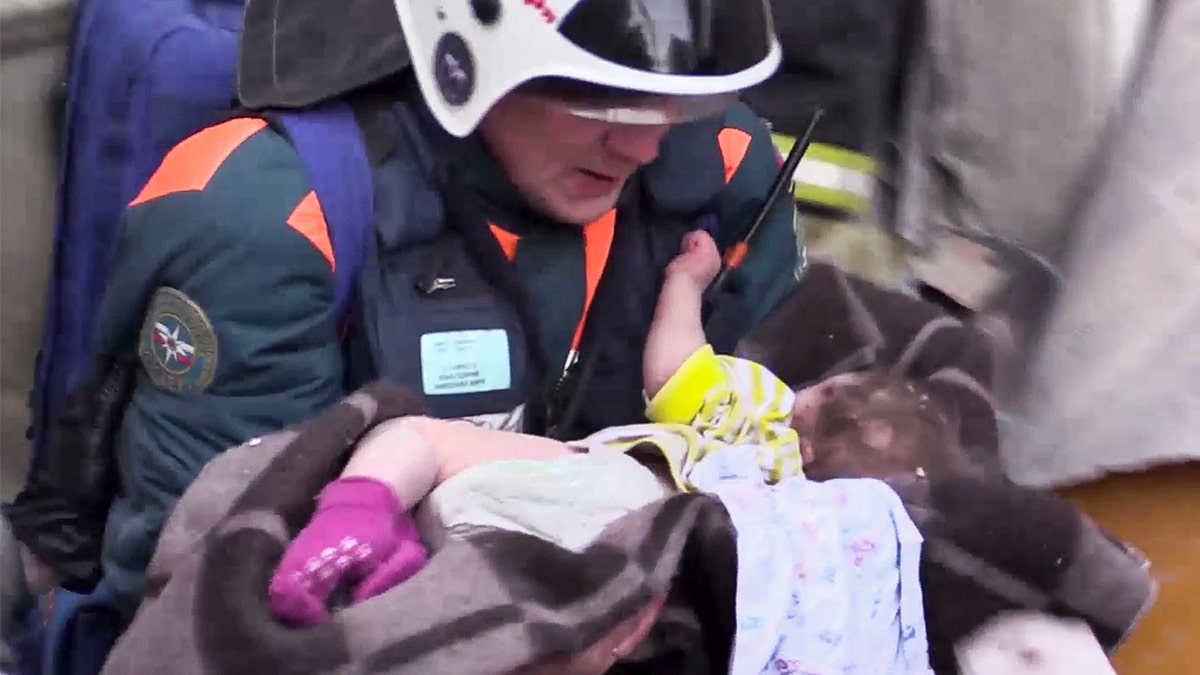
(492, 603)
(499, 601)
(836, 323)
(990, 545)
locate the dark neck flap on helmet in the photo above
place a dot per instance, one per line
(296, 53)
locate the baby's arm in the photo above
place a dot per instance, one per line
(415, 454)
(726, 399)
(734, 402)
(677, 332)
(360, 533)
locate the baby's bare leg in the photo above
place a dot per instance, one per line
(415, 454)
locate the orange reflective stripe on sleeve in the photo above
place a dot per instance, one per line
(309, 220)
(734, 144)
(507, 240)
(597, 245)
(190, 165)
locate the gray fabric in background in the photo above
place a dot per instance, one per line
(33, 24)
(1115, 384)
(33, 35)
(1003, 102)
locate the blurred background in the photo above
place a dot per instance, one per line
(1033, 165)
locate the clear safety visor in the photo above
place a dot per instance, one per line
(623, 106)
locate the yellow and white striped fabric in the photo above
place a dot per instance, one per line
(714, 401)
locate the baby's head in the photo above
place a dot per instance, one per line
(873, 425)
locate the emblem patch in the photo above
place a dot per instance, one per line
(178, 346)
(454, 69)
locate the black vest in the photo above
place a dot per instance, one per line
(440, 308)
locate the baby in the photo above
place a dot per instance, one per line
(876, 425)
(844, 551)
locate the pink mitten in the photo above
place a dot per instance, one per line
(359, 533)
(408, 557)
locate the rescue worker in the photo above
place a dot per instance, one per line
(846, 57)
(574, 145)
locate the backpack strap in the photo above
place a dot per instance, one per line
(330, 144)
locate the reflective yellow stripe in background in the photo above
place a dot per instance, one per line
(831, 176)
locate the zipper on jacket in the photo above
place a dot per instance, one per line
(432, 284)
(431, 279)
(558, 398)
(578, 367)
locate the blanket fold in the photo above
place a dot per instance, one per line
(494, 602)
(991, 547)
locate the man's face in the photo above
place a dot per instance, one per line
(568, 167)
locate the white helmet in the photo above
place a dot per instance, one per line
(629, 61)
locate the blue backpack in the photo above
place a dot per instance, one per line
(144, 76)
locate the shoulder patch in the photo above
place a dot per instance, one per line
(734, 144)
(177, 346)
(309, 220)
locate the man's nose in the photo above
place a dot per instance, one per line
(635, 142)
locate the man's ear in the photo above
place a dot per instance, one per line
(632, 631)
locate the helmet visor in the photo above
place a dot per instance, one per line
(625, 106)
(687, 38)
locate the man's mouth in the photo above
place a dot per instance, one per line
(587, 183)
(596, 175)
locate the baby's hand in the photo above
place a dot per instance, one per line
(358, 536)
(698, 259)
